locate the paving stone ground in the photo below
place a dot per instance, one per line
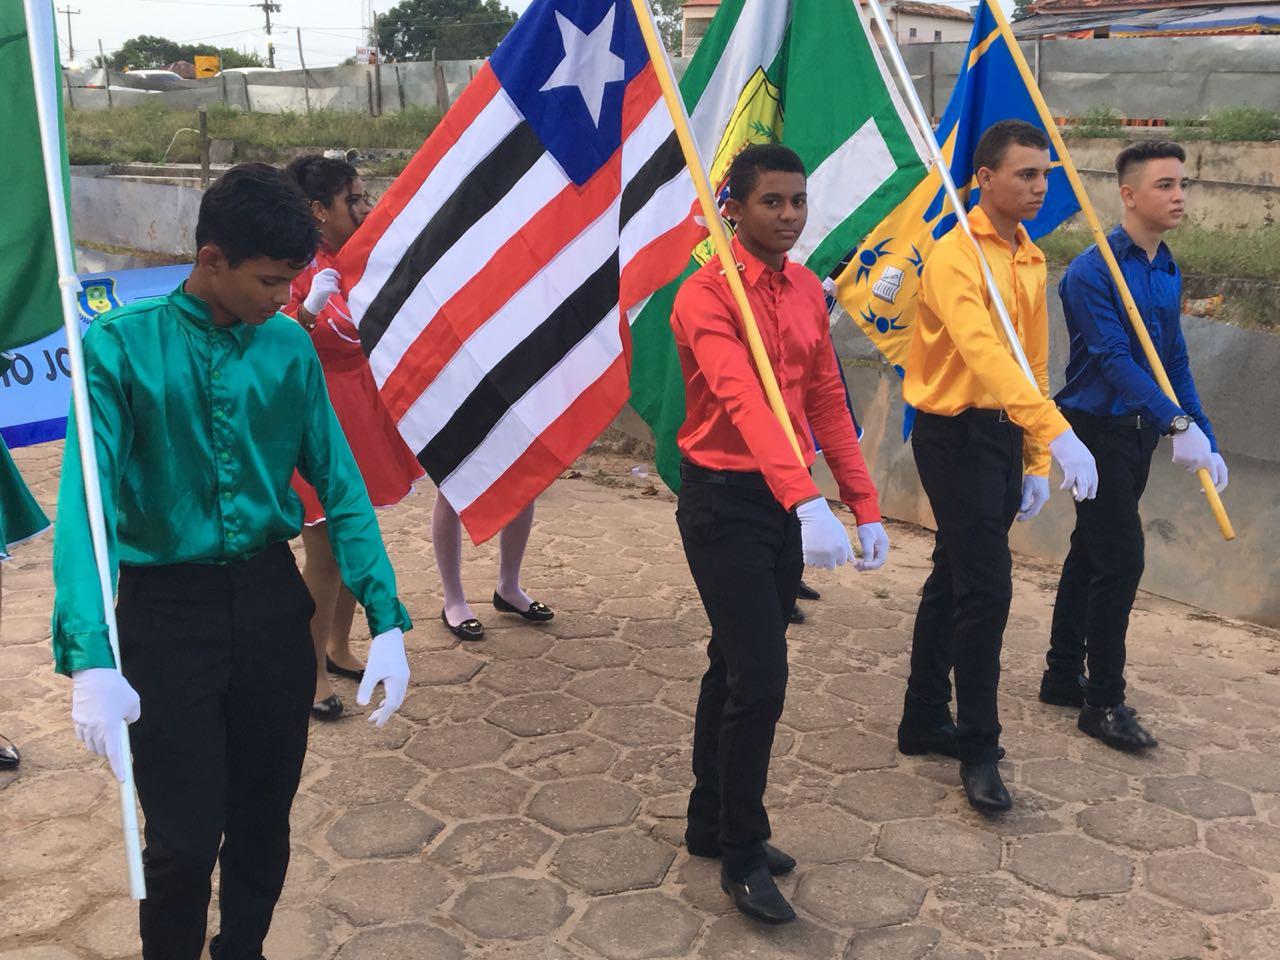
(527, 803)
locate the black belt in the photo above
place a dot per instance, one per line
(1129, 421)
(728, 478)
(999, 416)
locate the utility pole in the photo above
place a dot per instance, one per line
(268, 8)
(71, 47)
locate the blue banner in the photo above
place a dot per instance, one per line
(35, 392)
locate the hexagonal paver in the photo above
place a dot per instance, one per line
(648, 634)
(583, 655)
(112, 930)
(509, 908)
(47, 847)
(1042, 953)
(536, 949)
(615, 685)
(862, 894)
(1068, 780)
(817, 711)
(1257, 772)
(584, 625)
(888, 795)
(561, 756)
(479, 792)
(674, 663)
(493, 846)
(444, 666)
(613, 861)
(1070, 865)
(638, 927)
(573, 806)
(459, 745)
(994, 910)
(1199, 797)
(447, 704)
(391, 829)
(536, 714)
(525, 676)
(339, 740)
(867, 688)
(735, 937)
(367, 780)
(300, 932)
(394, 891)
(40, 907)
(815, 833)
(64, 793)
(937, 846)
(640, 726)
(639, 608)
(1251, 843)
(413, 941)
(1136, 928)
(1206, 884)
(1138, 824)
(892, 943)
(1255, 936)
(847, 749)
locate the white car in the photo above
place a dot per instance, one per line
(157, 79)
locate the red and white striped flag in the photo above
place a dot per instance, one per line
(495, 282)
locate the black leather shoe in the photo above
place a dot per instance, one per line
(471, 629)
(330, 708)
(941, 739)
(342, 671)
(779, 862)
(807, 592)
(1060, 691)
(10, 757)
(797, 615)
(758, 896)
(538, 612)
(984, 788)
(1115, 727)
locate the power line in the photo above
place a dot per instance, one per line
(268, 8)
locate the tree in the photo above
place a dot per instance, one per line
(1022, 8)
(454, 29)
(670, 23)
(147, 52)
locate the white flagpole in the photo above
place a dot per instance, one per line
(41, 39)
(948, 184)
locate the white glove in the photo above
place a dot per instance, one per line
(1191, 449)
(823, 538)
(323, 286)
(1218, 472)
(101, 702)
(1035, 494)
(875, 546)
(1080, 471)
(388, 666)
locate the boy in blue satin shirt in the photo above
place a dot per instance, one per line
(1119, 411)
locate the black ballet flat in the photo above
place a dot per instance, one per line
(9, 755)
(342, 671)
(538, 612)
(467, 630)
(328, 709)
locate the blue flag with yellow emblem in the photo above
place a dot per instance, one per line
(880, 284)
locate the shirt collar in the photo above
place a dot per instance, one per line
(982, 226)
(753, 268)
(1123, 246)
(198, 314)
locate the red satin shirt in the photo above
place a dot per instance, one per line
(728, 422)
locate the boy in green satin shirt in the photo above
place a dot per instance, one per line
(204, 402)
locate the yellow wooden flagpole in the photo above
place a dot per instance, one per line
(1091, 217)
(711, 212)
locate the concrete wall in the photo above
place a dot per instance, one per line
(157, 218)
(1187, 559)
(953, 31)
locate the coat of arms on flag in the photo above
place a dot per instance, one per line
(495, 283)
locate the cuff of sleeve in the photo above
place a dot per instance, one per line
(1048, 426)
(866, 510)
(799, 493)
(82, 651)
(385, 616)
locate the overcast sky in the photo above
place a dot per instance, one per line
(331, 29)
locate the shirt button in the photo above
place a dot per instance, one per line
(227, 495)
(225, 456)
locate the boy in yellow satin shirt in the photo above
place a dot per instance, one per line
(983, 439)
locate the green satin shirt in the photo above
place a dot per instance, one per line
(198, 430)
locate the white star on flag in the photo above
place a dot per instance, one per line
(588, 62)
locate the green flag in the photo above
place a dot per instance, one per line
(808, 74)
(30, 303)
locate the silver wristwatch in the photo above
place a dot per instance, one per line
(1180, 424)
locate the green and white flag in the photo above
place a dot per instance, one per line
(806, 73)
(30, 302)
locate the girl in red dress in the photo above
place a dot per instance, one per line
(388, 466)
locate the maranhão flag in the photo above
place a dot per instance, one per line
(495, 283)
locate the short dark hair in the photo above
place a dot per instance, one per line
(745, 170)
(1136, 154)
(322, 178)
(255, 210)
(1000, 136)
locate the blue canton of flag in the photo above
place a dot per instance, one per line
(566, 65)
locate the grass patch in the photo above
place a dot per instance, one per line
(1252, 254)
(144, 133)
